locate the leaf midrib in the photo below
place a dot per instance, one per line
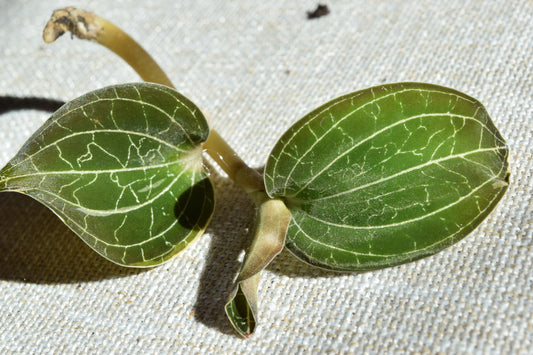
(489, 205)
(416, 219)
(295, 201)
(356, 109)
(56, 142)
(340, 156)
(122, 210)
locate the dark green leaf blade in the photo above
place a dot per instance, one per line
(122, 167)
(387, 175)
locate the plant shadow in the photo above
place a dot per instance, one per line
(289, 265)
(11, 103)
(36, 247)
(231, 232)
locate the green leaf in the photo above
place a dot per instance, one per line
(122, 167)
(387, 175)
(241, 308)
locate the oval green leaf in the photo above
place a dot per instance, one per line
(122, 167)
(387, 175)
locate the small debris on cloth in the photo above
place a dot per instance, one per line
(321, 10)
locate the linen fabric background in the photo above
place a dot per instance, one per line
(255, 68)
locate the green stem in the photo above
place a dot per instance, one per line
(89, 26)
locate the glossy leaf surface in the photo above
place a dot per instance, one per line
(387, 175)
(122, 167)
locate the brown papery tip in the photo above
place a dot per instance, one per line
(80, 23)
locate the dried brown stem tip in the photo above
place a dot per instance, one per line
(80, 23)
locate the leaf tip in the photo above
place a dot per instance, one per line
(240, 312)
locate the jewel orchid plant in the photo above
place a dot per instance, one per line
(371, 179)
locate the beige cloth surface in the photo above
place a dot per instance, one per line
(256, 67)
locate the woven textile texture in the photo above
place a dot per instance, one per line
(255, 67)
